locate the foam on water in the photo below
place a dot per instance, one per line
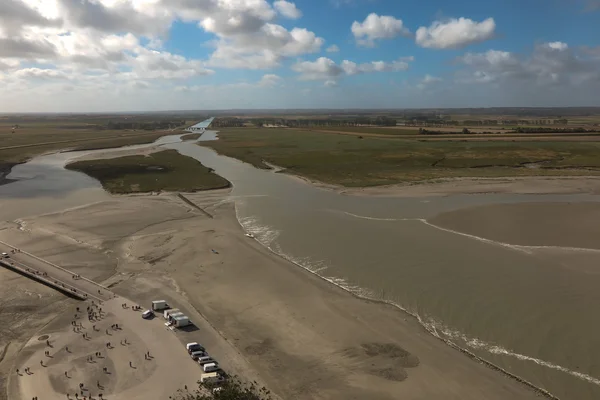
(522, 248)
(478, 344)
(267, 237)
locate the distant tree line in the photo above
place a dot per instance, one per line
(305, 122)
(464, 131)
(144, 125)
(519, 129)
(225, 122)
(438, 121)
(552, 130)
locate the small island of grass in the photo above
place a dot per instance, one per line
(163, 171)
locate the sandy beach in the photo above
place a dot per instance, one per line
(457, 186)
(265, 318)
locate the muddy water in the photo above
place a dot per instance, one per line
(531, 311)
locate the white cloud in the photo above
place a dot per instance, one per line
(266, 81)
(287, 9)
(152, 64)
(351, 68)
(557, 46)
(428, 80)
(38, 73)
(549, 64)
(269, 80)
(455, 33)
(321, 69)
(330, 83)
(104, 44)
(376, 27)
(264, 49)
(326, 69)
(333, 49)
(139, 84)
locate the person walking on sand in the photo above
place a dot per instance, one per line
(130, 365)
(18, 371)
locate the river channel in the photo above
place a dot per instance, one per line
(523, 309)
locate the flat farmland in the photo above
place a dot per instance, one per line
(349, 161)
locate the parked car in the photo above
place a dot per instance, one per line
(198, 354)
(192, 347)
(147, 314)
(5, 255)
(206, 360)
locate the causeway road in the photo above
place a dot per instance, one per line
(54, 273)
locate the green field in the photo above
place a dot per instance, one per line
(368, 130)
(163, 171)
(25, 143)
(354, 162)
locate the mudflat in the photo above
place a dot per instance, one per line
(300, 335)
(529, 224)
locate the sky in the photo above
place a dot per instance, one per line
(152, 55)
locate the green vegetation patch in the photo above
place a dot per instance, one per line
(369, 130)
(163, 171)
(352, 161)
(22, 145)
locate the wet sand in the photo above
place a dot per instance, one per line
(457, 186)
(573, 225)
(91, 249)
(303, 337)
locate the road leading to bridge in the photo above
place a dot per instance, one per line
(54, 274)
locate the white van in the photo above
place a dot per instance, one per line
(210, 367)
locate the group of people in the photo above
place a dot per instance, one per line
(94, 313)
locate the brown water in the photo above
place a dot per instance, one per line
(531, 311)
